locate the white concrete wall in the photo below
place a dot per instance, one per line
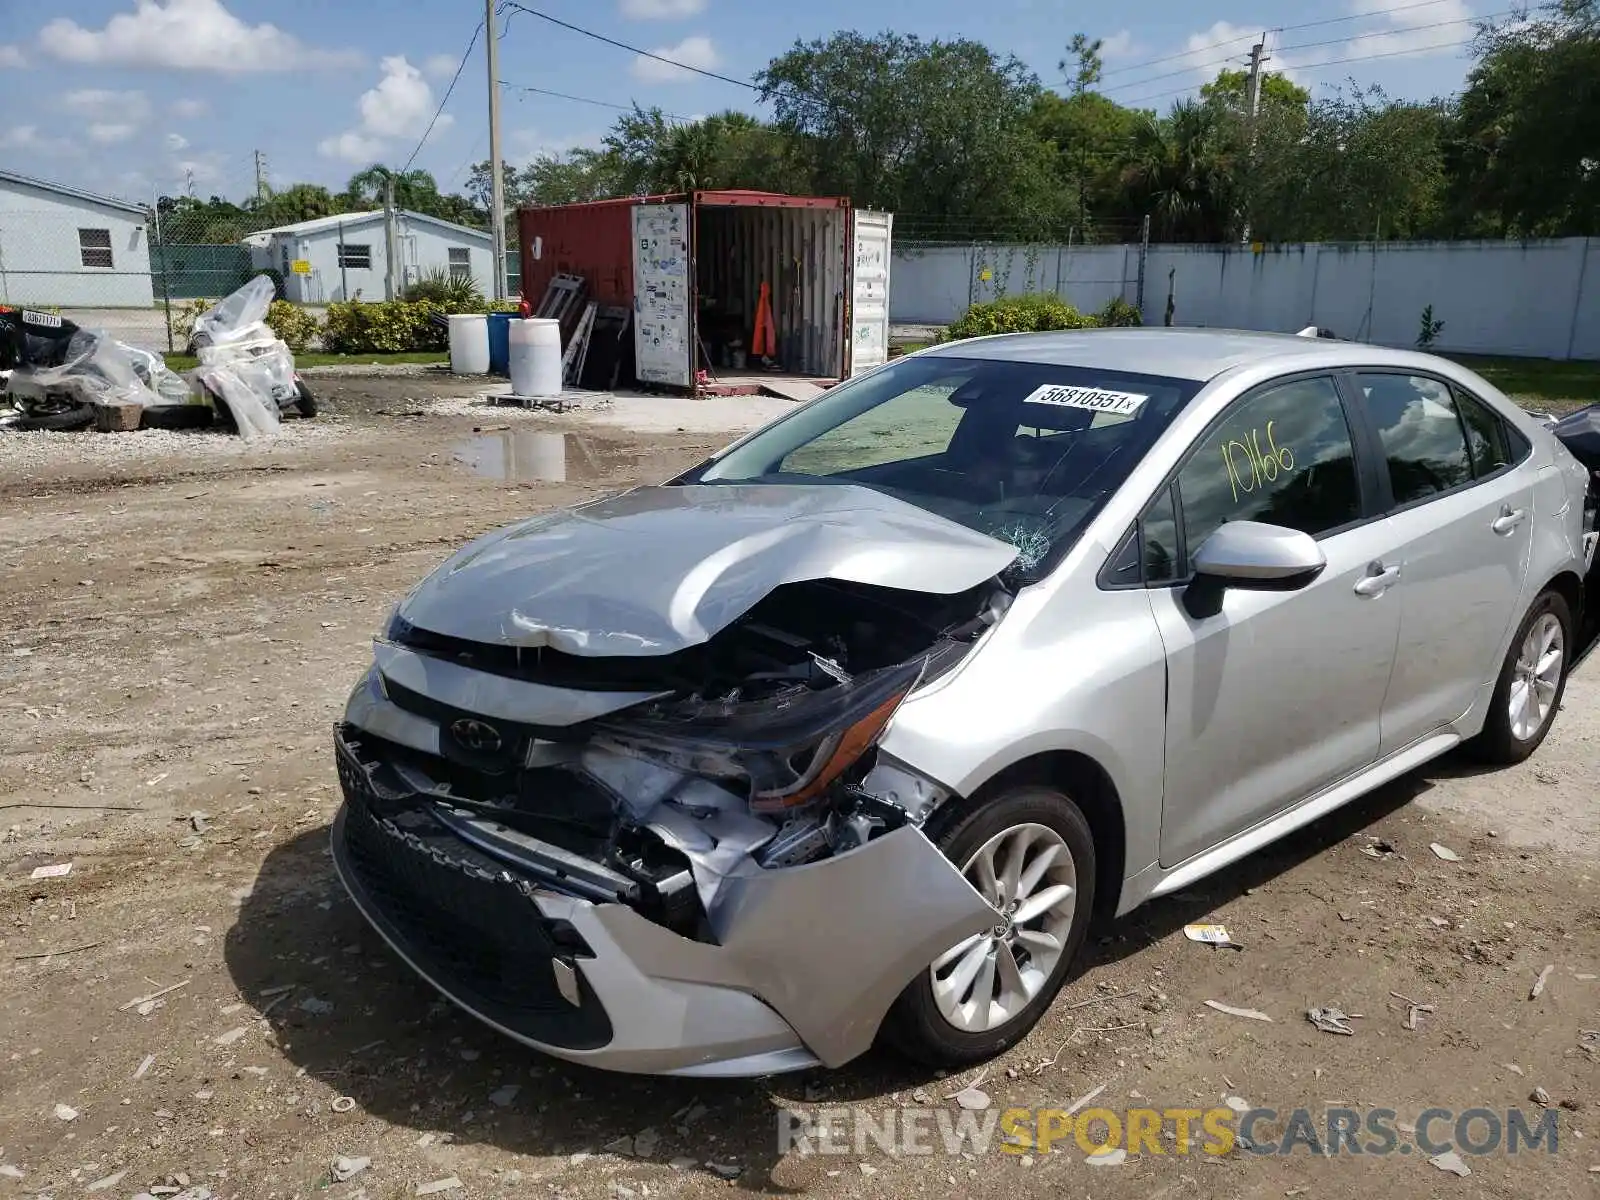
(423, 247)
(40, 261)
(1537, 298)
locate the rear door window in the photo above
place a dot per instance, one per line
(1421, 433)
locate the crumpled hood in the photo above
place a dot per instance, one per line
(660, 568)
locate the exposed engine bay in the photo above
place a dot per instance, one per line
(753, 750)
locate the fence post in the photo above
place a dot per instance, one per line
(1144, 252)
(161, 251)
(1577, 299)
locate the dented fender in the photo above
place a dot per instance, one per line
(829, 945)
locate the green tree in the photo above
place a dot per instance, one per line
(1181, 171)
(937, 130)
(1524, 158)
(571, 178)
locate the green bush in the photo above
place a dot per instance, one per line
(1035, 313)
(448, 292)
(383, 327)
(1117, 313)
(293, 324)
(1017, 314)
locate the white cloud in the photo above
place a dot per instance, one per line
(188, 109)
(1118, 45)
(11, 58)
(192, 35)
(661, 10)
(108, 133)
(1407, 29)
(28, 138)
(401, 103)
(695, 51)
(399, 107)
(125, 107)
(176, 142)
(441, 66)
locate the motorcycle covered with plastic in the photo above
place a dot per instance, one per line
(245, 368)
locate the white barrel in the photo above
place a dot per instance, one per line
(535, 344)
(469, 344)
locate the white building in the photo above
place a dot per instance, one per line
(344, 256)
(63, 246)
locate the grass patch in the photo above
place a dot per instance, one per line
(1560, 385)
(183, 362)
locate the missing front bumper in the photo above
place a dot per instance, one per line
(806, 962)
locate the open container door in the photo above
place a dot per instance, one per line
(870, 235)
(663, 334)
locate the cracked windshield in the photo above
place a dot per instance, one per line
(1024, 452)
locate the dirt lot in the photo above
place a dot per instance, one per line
(180, 620)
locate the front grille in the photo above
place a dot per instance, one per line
(466, 920)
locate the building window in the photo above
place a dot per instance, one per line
(356, 257)
(94, 247)
(460, 263)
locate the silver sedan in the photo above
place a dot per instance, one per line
(849, 732)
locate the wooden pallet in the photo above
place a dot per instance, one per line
(563, 302)
(572, 358)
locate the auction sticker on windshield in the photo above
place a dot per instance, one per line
(1124, 404)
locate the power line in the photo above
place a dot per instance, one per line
(446, 100)
(1399, 30)
(1359, 37)
(1245, 37)
(522, 87)
(1332, 62)
(600, 37)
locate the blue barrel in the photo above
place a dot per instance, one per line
(500, 343)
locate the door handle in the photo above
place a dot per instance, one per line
(1378, 580)
(1508, 519)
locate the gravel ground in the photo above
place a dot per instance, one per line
(195, 1007)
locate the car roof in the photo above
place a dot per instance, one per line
(1194, 354)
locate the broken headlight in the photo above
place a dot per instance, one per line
(787, 750)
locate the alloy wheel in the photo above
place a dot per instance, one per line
(1028, 874)
(1536, 677)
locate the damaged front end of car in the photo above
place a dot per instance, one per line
(693, 862)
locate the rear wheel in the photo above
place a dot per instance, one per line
(1030, 853)
(1532, 681)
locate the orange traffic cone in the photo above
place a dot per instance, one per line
(764, 342)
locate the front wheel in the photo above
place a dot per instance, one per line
(1031, 854)
(1532, 680)
(304, 402)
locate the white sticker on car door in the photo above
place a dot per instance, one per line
(1123, 404)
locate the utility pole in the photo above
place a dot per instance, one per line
(497, 194)
(1258, 55)
(1144, 253)
(261, 179)
(391, 243)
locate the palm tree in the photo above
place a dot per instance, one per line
(415, 189)
(1179, 171)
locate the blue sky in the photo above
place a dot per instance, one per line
(132, 96)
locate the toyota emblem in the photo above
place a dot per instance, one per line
(476, 735)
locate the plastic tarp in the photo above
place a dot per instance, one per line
(242, 361)
(96, 369)
(235, 317)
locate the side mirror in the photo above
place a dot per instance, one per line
(1250, 554)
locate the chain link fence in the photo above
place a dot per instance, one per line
(141, 275)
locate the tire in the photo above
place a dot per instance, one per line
(1500, 743)
(304, 402)
(915, 1025)
(61, 422)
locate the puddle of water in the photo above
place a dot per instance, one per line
(531, 456)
